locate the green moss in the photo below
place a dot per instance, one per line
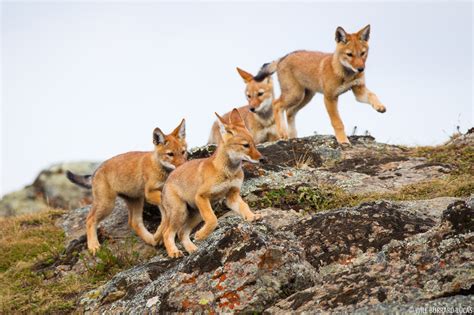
(27, 237)
(302, 198)
(30, 246)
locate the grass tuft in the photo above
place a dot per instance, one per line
(30, 241)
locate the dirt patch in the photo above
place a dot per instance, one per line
(369, 165)
(292, 153)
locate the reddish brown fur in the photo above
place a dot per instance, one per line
(191, 189)
(135, 176)
(257, 116)
(304, 73)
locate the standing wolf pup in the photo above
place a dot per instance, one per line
(191, 190)
(303, 73)
(258, 114)
(133, 176)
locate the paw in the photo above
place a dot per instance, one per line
(175, 254)
(93, 248)
(151, 241)
(380, 108)
(253, 217)
(345, 145)
(200, 235)
(190, 248)
(343, 141)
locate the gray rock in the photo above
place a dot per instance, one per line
(382, 257)
(377, 256)
(51, 188)
(241, 267)
(418, 269)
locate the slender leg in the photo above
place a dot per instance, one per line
(207, 214)
(279, 119)
(292, 111)
(104, 202)
(364, 95)
(169, 236)
(163, 224)
(237, 204)
(135, 207)
(192, 221)
(292, 93)
(175, 215)
(331, 107)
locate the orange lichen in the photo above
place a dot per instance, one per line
(232, 299)
(190, 280)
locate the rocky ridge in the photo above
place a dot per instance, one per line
(376, 247)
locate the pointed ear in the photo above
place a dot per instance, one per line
(245, 75)
(341, 35)
(180, 131)
(364, 34)
(223, 127)
(158, 136)
(236, 118)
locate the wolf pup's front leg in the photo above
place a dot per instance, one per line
(235, 202)
(364, 95)
(210, 219)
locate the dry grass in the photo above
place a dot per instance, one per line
(25, 240)
(31, 240)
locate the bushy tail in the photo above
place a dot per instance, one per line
(80, 180)
(266, 70)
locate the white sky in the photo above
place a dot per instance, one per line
(89, 80)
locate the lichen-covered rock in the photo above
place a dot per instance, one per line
(241, 267)
(418, 269)
(51, 188)
(378, 253)
(380, 256)
(340, 236)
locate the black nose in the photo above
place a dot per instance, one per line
(263, 160)
(252, 110)
(360, 69)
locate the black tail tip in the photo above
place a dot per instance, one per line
(262, 74)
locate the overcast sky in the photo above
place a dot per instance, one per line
(90, 80)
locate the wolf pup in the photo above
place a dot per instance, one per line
(303, 73)
(258, 114)
(133, 176)
(192, 189)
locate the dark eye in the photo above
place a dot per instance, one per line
(248, 95)
(170, 154)
(246, 145)
(184, 152)
(362, 53)
(260, 93)
(349, 54)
